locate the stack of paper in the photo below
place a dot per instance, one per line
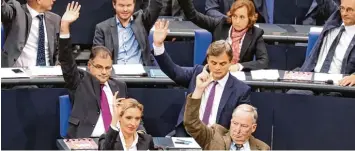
(9, 73)
(325, 77)
(265, 74)
(45, 71)
(239, 75)
(129, 69)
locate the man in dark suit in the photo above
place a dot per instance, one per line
(221, 97)
(31, 33)
(334, 50)
(237, 137)
(126, 34)
(91, 92)
(219, 8)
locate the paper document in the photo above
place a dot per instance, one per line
(239, 75)
(326, 77)
(129, 69)
(10, 73)
(45, 71)
(157, 73)
(185, 142)
(265, 74)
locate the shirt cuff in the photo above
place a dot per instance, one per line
(114, 128)
(158, 50)
(240, 67)
(64, 36)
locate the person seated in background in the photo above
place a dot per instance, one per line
(90, 91)
(221, 97)
(319, 12)
(238, 137)
(334, 51)
(238, 30)
(219, 8)
(126, 34)
(31, 33)
(128, 115)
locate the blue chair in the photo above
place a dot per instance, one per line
(313, 35)
(2, 37)
(203, 39)
(64, 114)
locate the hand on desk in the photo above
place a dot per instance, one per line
(348, 81)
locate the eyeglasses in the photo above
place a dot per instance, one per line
(101, 68)
(348, 10)
(238, 17)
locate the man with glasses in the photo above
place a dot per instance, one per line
(334, 51)
(91, 92)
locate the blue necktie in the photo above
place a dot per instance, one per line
(328, 60)
(41, 60)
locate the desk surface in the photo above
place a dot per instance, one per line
(167, 81)
(272, 32)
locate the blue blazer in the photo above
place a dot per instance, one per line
(348, 65)
(235, 92)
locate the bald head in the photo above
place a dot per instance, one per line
(246, 109)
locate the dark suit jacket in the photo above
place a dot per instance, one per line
(112, 141)
(235, 92)
(219, 8)
(215, 137)
(84, 90)
(17, 21)
(348, 65)
(319, 13)
(143, 21)
(253, 43)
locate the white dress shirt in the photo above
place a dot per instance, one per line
(99, 127)
(229, 40)
(133, 146)
(218, 92)
(337, 61)
(246, 147)
(28, 57)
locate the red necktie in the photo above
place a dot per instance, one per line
(105, 109)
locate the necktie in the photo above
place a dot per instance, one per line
(238, 146)
(331, 52)
(105, 109)
(41, 60)
(208, 109)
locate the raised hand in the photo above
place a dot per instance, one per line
(203, 79)
(116, 106)
(72, 12)
(160, 32)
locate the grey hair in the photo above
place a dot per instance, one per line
(247, 108)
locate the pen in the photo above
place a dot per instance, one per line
(183, 141)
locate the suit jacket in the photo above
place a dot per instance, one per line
(84, 90)
(143, 20)
(112, 141)
(253, 43)
(320, 11)
(215, 137)
(17, 22)
(235, 92)
(348, 65)
(219, 8)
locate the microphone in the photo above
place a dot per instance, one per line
(329, 82)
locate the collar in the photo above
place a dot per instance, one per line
(106, 84)
(123, 141)
(33, 12)
(119, 23)
(350, 28)
(223, 81)
(246, 145)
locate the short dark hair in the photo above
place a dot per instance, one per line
(102, 51)
(114, 1)
(219, 47)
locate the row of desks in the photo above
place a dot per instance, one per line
(148, 80)
(272, 32)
